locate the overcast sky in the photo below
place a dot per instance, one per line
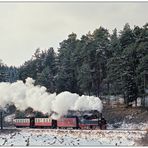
(26, 26)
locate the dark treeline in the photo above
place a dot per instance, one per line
(98, 64)
(8, 74)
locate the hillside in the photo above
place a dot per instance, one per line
(116, 116)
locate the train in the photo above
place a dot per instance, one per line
(73, 121)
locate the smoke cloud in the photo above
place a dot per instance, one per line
(24, 95)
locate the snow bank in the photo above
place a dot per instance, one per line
(48, 137)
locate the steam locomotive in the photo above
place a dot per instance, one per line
(74, 120)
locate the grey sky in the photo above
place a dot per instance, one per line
(27, 26)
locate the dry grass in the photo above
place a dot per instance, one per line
(144, 141)
(119, 113)
(146, 130)
(9, 131)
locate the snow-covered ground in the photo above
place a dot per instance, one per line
(59, 137)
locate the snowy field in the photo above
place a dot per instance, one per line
(59, 137)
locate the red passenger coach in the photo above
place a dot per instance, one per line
(68, 122)
(46, 122)
(22, 122)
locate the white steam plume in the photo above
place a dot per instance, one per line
(63, 102)
(88, 103)
(24, 95)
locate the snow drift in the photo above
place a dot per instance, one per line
(24, 95)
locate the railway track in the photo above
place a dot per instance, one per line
(70, 129)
